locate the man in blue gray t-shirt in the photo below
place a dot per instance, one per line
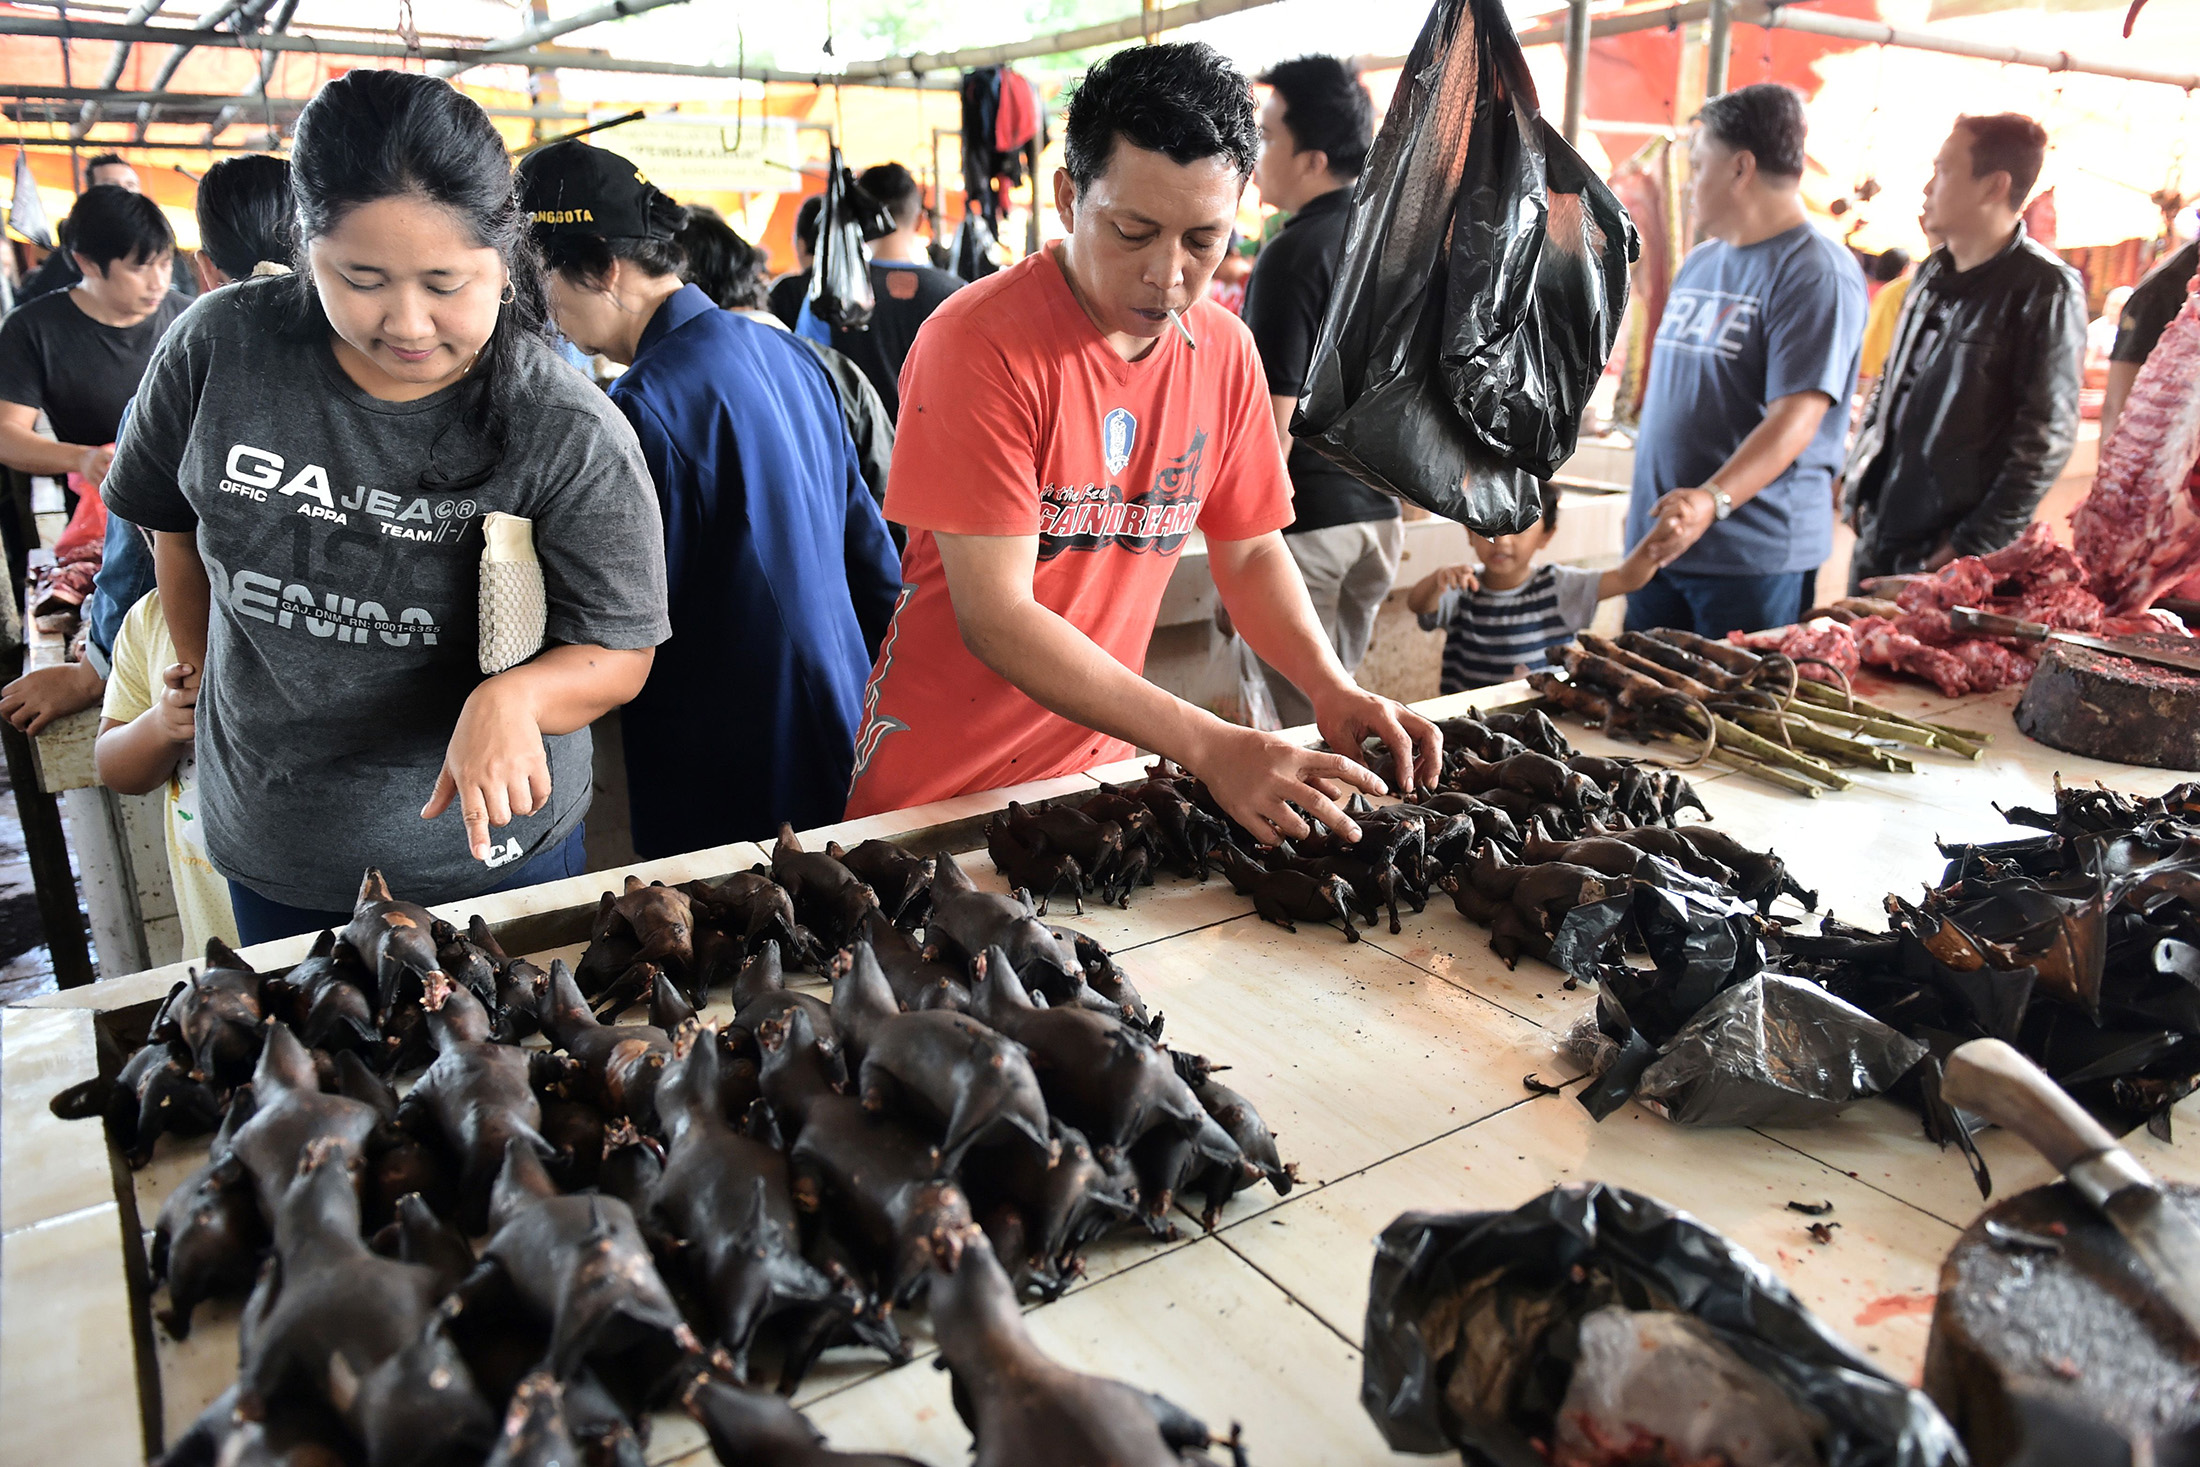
(1750, 378)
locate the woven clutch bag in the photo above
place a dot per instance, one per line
(514, 606)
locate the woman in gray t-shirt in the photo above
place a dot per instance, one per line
(315, 454)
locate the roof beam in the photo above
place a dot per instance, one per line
(550, 31)
(1130, 28)
(535, 60)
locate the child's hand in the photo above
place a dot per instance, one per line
(175, 714)
(1665, 542)
(1430, 589)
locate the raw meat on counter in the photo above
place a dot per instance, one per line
(2034, 578)
(2138, 532)
(1814, 643)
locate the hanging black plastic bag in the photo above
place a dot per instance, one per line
(974, 253)
(1539, 256)
(840, 282)
(1378, 399)
(1475, 1327)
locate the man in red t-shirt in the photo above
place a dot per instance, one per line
(1060, 438)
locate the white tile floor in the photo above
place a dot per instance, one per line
(1391, 1070)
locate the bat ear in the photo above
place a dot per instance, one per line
(373, 888)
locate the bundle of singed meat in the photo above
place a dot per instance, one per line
(2138, 532)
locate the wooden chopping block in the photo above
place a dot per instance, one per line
(2058, 1352)
(2108, 707)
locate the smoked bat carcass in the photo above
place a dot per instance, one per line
(829, 899)
(1288, 897)
(390, 939)
(902, 880)
(1033, 866)
(620, 1062)
(966, 921)
(730, 1198)
(578, 1265)
(207, 1241)
(1021, 1405)
(325, 1000)
(942, 1069)
(479, 1095)
(757, 1429)
(1096, 1073)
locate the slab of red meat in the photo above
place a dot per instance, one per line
(2138, 532)
(1821, 639)
(1882, 644)
(2034, 560)
(1989, 664)
(1964, 581)
(1929, 624)
(2066, 607)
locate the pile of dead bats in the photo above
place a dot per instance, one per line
(2078, 942)
(565, 1222)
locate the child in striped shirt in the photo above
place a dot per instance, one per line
(1501, 619)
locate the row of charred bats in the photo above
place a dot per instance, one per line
(664, 1210)
(1519, 830)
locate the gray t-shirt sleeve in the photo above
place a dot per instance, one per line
(598, 535)
(143, 484)
(1813, 329)
(1577, 595)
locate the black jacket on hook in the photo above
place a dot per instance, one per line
(1977, 412)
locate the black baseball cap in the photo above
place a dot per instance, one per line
(572, 188)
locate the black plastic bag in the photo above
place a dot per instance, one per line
(840, 282)
(1380, 399)
(974, 253)
(1539, 256)
(1473, 1324)
(1774, 1051)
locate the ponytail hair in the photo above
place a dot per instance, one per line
(371, 135)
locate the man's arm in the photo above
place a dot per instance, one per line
(1789, 425)
(1284, 407)
(24, 448)
(2042, 430)
(1252, 774)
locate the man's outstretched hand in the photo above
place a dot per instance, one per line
(1351, 715)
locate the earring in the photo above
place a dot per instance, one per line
(509, 294)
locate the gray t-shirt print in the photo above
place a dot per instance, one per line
(341, 644)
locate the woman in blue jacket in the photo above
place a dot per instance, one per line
(781, 574)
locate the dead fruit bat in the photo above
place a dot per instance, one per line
(942, 1069)
(829, 899)
(390, 939)
(577, 1264)
(1022, 1406)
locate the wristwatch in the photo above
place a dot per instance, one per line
(1722, 503)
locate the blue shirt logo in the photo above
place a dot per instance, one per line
(1118, 431)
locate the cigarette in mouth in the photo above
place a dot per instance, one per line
(1183, 330)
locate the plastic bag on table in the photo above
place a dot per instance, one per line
(1774, 1051)
(840, 283)
(1475, 1322)
(1380, 400)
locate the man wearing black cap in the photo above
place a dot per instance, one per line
(781, 575)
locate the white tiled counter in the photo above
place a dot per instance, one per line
(1390, 1070)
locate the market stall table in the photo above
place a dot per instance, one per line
(1391, 1070)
